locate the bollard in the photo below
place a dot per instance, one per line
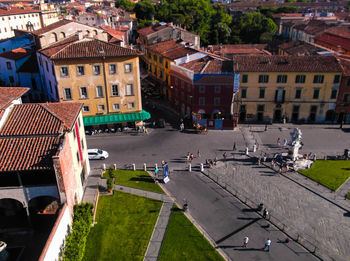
(115, 166)
(144, 167)
(104, 166)
(190, 167)
(254, 148)
(202, 167)
(156, 166)
(134, 166)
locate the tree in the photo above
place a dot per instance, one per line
(125, 5)
(252, 25)
(287, 9)
(144, 10)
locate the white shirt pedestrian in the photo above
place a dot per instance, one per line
(267, 244)
(245, 241)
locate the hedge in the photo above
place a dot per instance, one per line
(75, 242)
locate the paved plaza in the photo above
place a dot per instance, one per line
(297, 204)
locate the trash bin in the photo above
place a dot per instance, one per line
(260, 207)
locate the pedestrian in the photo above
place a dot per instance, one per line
(191, 157)
(146, 131)
(215, 160)
(245, 241)
(259, 161)
(265, 213)
(234, 146)
(254, 148)
(278, 141)
(224, 155)
(198, 154)
(265, 157)
(285, 142)
(273, 163)
(280, 171)
(267, 245)
(287, 168)
(246, 151)
(265, 127)
(156, 170)
(182, 127)
(188, 156)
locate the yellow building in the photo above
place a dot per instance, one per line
(297, 89)
(104, 76)
(158, 58)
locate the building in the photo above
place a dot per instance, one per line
(92, 19)
(165, 32)
(203, 86)
(22, 41)
(229, 50)
(295, 88)
(343, 100)
(43, 155)
(300, 48)
(335, 38)
(104, 76)
(307, 31)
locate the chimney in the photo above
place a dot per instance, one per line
(80, 35)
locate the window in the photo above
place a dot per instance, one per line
(101, 107)
(47, 66)
(67, 94)
(300, 79)
(128, 67)
(155, 58)
(78, 159)
(217, 89)
(161, 74)
(131, 105)
(318, 78)
(166, 64)
(51, 90)
(99, 91)
(86, 108)
(261, 108)
(80, 70)
(166, 78)
(261, 92)
(83, 93)
(161, 60)
(112, 69)
(244, 78)
(64, 71)
(9, 66)
(116, 106)
(281, 78)
(298, 93)
(336, 79)
(96, 69)
(316, 94)
(129, 90)
(348, 82)
(34, 83)
(217, 101)
(244, 93)
(346, 97)
(201, 89)
(334, 94)
(115, 90)
(201, 101)
(149, 55)
(11, 79)
(263, 78)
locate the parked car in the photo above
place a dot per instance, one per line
(97, 154)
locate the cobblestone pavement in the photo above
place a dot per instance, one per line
(318, 221)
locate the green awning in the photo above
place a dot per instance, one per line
(116, 118)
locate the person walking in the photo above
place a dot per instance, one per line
(254, 147)
(267, 245)
(285, 142)
(246, 151)
(224, 155)
(259, 161)
(245, 241)
(198, 154)
(265, 213)
(273, 163)
(191, 157)
(182, 127)
(278, 141)
(234, 146)
(265, 157)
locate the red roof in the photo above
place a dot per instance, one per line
(345, 64)
(333, 40)
(114, 32)
(151, 29)
(341, 31)
(86, 48)
(51, 27)
(17, 11)
(8, 94)
(56, 47)
(164, 46)
(208, 65)
(279, 63)
(27, 153)
(16, 54)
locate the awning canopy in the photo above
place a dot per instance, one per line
(116, 118)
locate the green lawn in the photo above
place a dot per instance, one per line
(329, 173)
(183, 241)
(124, 227)
(135, 179)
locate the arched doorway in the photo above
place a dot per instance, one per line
(53, 38)
(12, 214)
(277, 115)
(43, 210)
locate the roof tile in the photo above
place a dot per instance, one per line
(8, 94)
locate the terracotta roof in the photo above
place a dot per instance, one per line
(333, 40)
(87, 48)
(345, 64)
(151, 29)
(16, 54)
(178, 53)
(208, 65)
(17, 11)
(56, 47)
(299, 48)
(27, 153)
(67, 111)
(114, 33)
(51, 27)
(313, 27)
(164, 46)
(279, 63)
(341, 31)
(237, 46)
(8, 94)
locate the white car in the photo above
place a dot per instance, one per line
(97, 154)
